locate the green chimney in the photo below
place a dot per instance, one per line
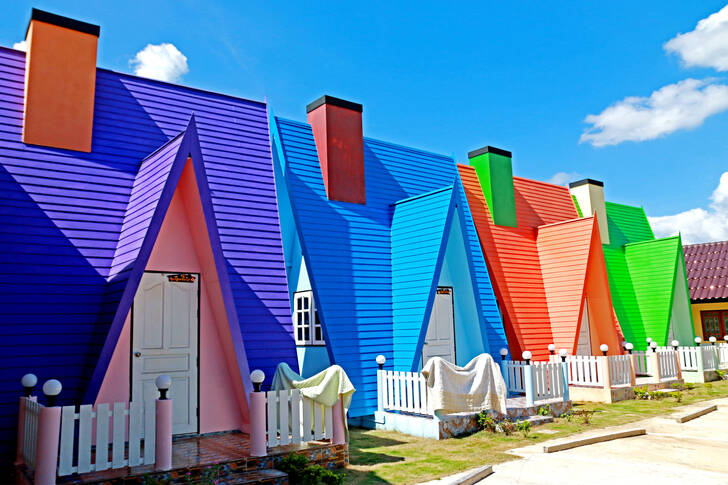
(495, 174)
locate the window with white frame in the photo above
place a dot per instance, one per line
(306, 322)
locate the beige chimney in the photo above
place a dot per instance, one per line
(589, 194)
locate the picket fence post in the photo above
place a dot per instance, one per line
(338, 417)
(528, 378)
(504, 370)
(604, 369)
(28, 382)
(258, 437)
(49, 434)
(163, 431)
(380, 382)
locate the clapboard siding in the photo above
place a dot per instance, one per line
(348, 247)
(418, 230)
(70, 228)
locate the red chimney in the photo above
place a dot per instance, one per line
(60, 82)
(336, 125)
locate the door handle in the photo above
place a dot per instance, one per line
(137, 354)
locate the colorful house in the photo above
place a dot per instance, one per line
(140, 236)
(646, 275)
(545, 260)
(707, 269)
(381, 251)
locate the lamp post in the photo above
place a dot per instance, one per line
(653, 346)
(503, 353)
(163, 383)
(604, 348)
(28, 381)
(163, 424)
(552, 348)
(563, 353)
(527, 356)
(380, 361)
(629, 346)
(675, 345)
(697, 341)
(52, 388)
(257, 415)
(725, 338)
(712, 340)
(257, 377)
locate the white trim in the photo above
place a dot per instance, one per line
(306, 322)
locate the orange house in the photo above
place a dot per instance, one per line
(546, 263)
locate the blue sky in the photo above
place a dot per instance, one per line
(517, 75)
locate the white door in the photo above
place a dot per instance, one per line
(440, 338)
(583, 347)
(164, 341)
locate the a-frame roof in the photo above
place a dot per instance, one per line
(642, 275)
(349, 252)
(707, 267)
(63, 272)
(539, 267)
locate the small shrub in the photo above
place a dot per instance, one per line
(722, 375)
(507, 427)
(677, 395)
(641, 392)
(545, 410)
(688, 386)
(301, 472)
(568, 415)
(524, 427)
(486, 422)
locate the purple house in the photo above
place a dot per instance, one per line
(139, 235)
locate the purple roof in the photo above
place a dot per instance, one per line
(707, 267)
(76, 226)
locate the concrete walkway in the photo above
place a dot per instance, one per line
(695, 452)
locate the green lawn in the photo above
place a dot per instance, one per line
(389, 457)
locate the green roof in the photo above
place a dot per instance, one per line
(642, 274)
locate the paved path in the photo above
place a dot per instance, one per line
(694, 453)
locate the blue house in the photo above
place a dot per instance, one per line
(381, 252)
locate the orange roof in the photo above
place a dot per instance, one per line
(542, 269)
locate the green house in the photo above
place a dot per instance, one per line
(647, 276)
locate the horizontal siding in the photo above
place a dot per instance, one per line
(418, 231)
(348, 250)
(64, 213)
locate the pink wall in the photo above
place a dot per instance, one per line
(183, 246)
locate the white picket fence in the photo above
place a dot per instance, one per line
(620, 370)
(79, 453)
(641, 363)
(548, 381)
(30, 431)
(514, 376)
(723, 356)
(293, 418)
(584, 370)
(688, 358)
(667, 362)
(405, 392)
(709, 357)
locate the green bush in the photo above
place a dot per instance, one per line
(545, 410)
(524, 427)
(486, 422)
(301, 472)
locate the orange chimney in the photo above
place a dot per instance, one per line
(336, 125)
(60, 82)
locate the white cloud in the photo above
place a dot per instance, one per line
(562, 178)
(21, 46)
(706, 45)
(163, 62)
(698, 225)
(678, 106)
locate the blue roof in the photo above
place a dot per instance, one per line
(75, 226)
(350, 250)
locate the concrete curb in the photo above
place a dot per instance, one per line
(594, 439)
(696, 414)
(475, 476)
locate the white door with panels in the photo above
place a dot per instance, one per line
(583, 346)
(165, 327)
(440, 337)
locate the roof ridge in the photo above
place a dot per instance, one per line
(662, 239)
(566, 221)
(541, 182)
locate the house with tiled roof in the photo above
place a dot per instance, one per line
(381, 251)
(545, 260)
(707, 269)
(647, 276)
(140, 235)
